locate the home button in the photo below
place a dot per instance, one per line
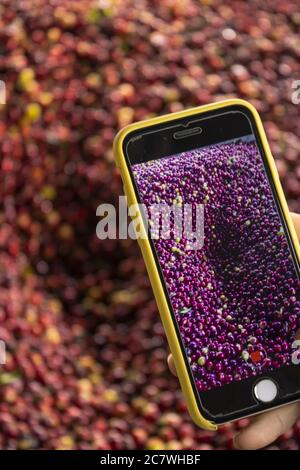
(265, 390)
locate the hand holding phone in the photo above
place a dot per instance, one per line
(227, 289)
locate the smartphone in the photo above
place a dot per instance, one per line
(227, 288)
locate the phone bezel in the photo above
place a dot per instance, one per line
(236, 391)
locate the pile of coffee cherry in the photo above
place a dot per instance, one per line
(85, 348)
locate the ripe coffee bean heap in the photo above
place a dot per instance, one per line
(86, 354)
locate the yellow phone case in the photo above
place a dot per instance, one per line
(147, 250)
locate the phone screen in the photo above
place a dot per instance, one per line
(235, 296)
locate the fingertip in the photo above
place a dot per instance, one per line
(243, 441)
(266, 428)
(172, 365)
(296, 220)
(235, 441)
(255, 435)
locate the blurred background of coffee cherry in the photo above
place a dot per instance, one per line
(86, 353)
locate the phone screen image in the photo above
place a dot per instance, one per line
(235, 297)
